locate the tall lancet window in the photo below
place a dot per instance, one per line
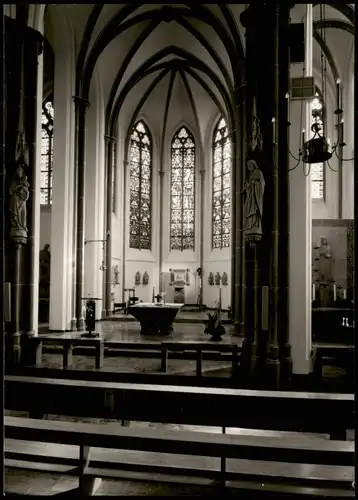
(317, 169)
(182, 191)
(140, 164)
(46, 153)
(221, 195)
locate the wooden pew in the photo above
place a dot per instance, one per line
(199, 348)
(68, 342)
(250, 448)
(270, 410)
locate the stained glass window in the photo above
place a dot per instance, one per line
(221, 194)
(182, 191)
(114, 178)
(46, 153)
(140, 164)
(317, 169)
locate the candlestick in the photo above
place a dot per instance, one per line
(313, 292)
(303, 138)
(334, 293)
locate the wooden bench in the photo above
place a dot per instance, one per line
(269, 410)
(87, 436)
(341, 353)
(165, 348)
(199, 348)
(68, 342)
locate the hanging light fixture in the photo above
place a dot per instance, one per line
(318, 149)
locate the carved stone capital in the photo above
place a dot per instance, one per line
(110, 138)
(81, 101)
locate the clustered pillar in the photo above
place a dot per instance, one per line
(110, 143)
(266, 348)
(23, 45)
(80, 137)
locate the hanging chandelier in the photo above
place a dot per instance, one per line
(318, 149)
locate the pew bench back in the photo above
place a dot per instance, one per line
(250, 448)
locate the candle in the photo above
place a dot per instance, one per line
(342, 132)
(338, 81)
(288, 106)
(334, 293)
(313, 292)
(273, 130)
(344, 294)
(303, 138)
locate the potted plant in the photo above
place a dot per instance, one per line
(214, 326)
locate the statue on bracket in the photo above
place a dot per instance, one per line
(255, 183)
(20, 193)
(145, 278)
(137, 278)
(224, 279)
(211, 279)
(45, 267)
(115, 274)
(254, 189)
(217, 279)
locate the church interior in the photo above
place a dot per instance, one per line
(178, 235)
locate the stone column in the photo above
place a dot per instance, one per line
(33, 73)
(80, 137)
(63, 191)
(300, 276)
(201, 257)
(110, 142)
(161, 204)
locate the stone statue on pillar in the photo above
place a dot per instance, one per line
(254, 189)
(19, 194)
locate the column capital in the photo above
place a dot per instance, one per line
(202, 172)
(81, 100)
(161, 173)
(110, 138)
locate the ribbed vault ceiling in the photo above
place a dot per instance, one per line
(183, 61)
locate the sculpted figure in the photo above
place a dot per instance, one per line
(19, 192)
(45, 267)
(254, 189)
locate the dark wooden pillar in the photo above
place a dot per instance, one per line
(80, 144)
(110, 142)
(237, 244)
(266, 265)
(284, 205)
(22, 47)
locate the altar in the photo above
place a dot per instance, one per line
(155, 318)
